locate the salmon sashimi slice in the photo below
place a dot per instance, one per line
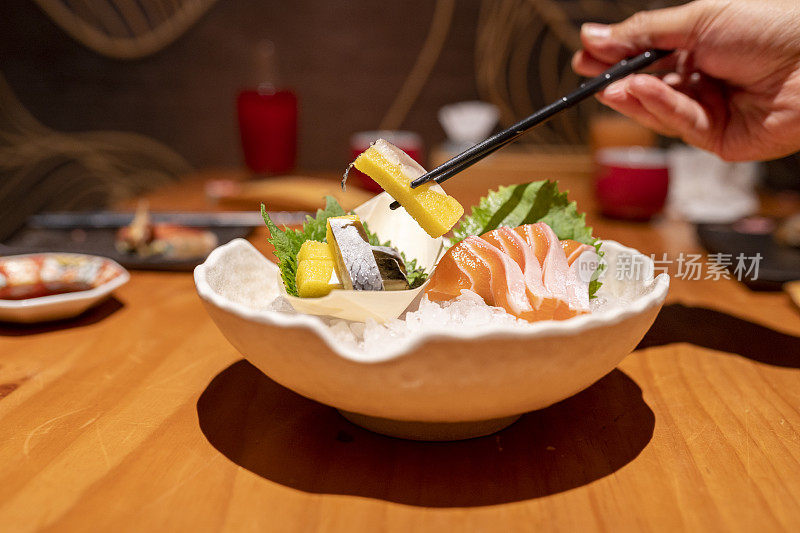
(459, 269)
(574, 249)
(583, 262)
(524, 255)
(476, 265)
(508, 287)
(564, 282)
(525, 270)
(555, 269)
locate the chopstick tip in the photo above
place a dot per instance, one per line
(419, 181)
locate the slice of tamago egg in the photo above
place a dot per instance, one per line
(394, 170)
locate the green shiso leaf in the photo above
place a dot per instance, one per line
(527, 203)
(287, 243)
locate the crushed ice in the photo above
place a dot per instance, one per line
(467, 312)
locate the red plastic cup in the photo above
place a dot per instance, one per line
(268, 127)
(407, 141)
(632, 182)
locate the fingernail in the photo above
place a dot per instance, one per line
(615, 90)
(642, 84)
(594, 31)
(673, 78)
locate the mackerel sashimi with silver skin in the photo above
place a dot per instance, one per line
(355, 263)
(525, 270)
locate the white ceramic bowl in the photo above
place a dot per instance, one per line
(103, 276)
(440, 385)
(468, 122)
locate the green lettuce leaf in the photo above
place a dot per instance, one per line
(287, 243)
(527, 203)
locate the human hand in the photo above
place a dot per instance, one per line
(734, 82)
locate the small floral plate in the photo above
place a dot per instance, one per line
(52, 286)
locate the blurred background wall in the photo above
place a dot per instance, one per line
(346, 60)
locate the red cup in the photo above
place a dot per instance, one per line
(268, 126)
(631, 182)
(407, 141)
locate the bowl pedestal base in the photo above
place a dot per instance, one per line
(430, 431)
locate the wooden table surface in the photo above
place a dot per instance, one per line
(140, 416)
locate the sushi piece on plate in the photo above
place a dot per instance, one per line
(145, 238)
(524, 270)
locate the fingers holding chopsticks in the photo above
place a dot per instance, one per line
(689, 109)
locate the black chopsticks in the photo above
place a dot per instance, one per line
(472, 155)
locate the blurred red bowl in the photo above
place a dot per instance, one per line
(632, 182)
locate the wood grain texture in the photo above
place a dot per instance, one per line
(140, 416)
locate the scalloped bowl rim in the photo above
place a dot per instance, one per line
(655, 296)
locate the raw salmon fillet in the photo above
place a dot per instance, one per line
(525, 270)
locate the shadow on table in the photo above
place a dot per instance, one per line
(723, 332)
(90, 316)
(288, 439)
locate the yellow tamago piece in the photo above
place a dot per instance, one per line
(315, 278)
(393, 170)
(314, 250)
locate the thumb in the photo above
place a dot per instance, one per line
(669, 29)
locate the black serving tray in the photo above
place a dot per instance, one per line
(778, 265)
(100, 241)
